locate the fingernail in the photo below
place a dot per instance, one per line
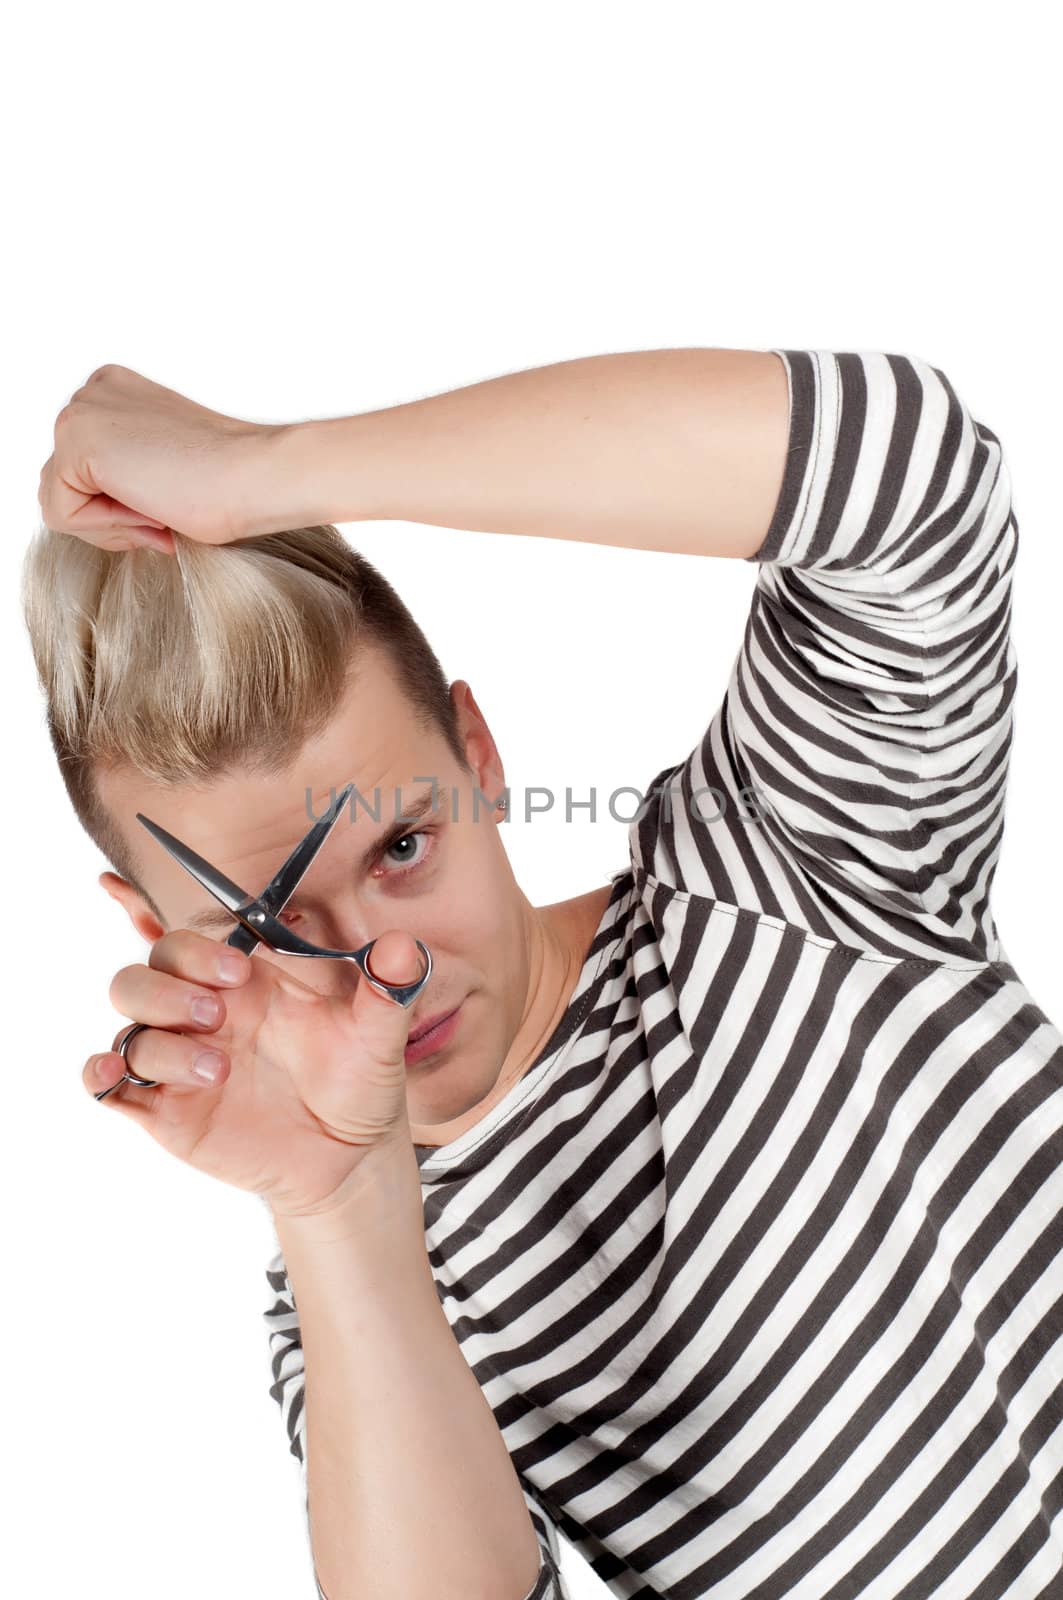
(231, 968)
(149, 538)
(205, 1009)
(207, 1066)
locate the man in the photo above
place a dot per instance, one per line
(721, 1230)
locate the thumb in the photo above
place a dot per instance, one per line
(100, 512)
(383, 1025)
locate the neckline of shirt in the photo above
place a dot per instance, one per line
(436, 1160)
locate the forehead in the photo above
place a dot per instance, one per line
(246, 822)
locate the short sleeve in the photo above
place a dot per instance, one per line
(871, 706)
(288, 1390)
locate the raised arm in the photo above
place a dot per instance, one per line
(679, 450)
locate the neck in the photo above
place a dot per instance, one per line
(557, 949)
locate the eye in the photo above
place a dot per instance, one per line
(409, 857)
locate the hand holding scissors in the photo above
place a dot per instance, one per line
(345, 1075)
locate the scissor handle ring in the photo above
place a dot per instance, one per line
(123, 1051)
(403, 994)
(129, 1077)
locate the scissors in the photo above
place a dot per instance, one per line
(257, 917)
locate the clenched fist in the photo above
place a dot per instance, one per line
(133, 459)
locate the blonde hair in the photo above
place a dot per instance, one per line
(186, 667)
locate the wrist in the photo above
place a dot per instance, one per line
(322, 468)
(380, 1196)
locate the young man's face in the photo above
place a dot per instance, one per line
(449, 882)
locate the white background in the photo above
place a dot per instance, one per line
(291, 213)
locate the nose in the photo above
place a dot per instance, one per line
(337, 928)
(339, 925)
(341, 929)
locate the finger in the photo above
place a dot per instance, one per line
(117, 540)
(97, 518)
(164, 1001)
(188, 954)
(61, 497)
(174, 1059)
(383, 1025)
(106, 1072)
(109, 525)
(102, 1071)
(58, 499)
(206, 961)
(129, 537)
(99, 513)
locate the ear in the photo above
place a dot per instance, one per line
(480, 749)
(135, 906)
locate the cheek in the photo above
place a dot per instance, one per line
(470, 919)
(474, 910)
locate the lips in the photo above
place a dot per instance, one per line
(432, 1036)
(426, 1027)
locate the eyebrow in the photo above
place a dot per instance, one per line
(216, 916)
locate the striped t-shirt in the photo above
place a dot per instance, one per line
(760, 1264)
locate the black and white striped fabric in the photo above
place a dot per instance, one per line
(760, 1265)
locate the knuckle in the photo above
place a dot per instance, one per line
(163, 953)
(204, 952)
(161, 993)
(182, 951)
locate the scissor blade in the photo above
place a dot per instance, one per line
(279, 890)
(231, 896)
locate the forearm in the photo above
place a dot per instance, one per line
(677, 450)
(411, 1490)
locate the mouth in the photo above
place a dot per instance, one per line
(432, 1035)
